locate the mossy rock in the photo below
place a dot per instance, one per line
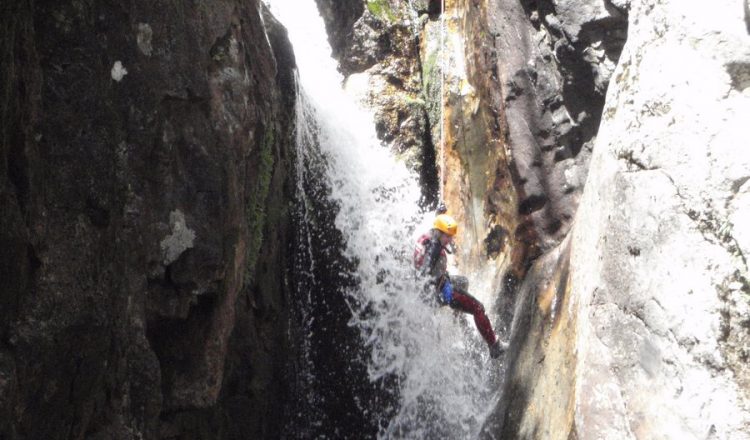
(382, 10)
(256, 206)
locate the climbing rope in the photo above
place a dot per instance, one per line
(441, 176)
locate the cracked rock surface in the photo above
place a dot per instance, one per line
(554, 61)
(665, 292)
(658, 285)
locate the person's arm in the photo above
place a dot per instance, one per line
(431, 257)
(438, 278)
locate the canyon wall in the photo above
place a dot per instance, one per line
(636, 325)
(144, 168)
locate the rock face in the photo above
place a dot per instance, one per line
(656, 295)
(538, 395)
(669, 179)
(554, 61)
(476, 180)
(142, 188)
(340, 19)
(380, 60)
(521, 86)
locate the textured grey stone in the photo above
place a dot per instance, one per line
(573, 15)
(655, 241)
(553, 103)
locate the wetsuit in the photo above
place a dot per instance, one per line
(431, 262)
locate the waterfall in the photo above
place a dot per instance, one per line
(428, 365)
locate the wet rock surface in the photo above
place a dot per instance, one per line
(462, 94)
(538, 396)
(144, 161)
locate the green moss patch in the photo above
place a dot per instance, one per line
(381, 9)
(256, 206)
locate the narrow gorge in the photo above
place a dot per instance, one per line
(208, 212)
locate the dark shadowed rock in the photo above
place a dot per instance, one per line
(554, 61)
(141, 148)
(340, 18)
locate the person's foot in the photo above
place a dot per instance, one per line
(497, 349)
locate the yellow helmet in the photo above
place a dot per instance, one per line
(446, 224)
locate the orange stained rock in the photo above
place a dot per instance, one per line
(544, 372)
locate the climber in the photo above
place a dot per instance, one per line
(431, 262)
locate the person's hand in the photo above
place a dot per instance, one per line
(447, 292)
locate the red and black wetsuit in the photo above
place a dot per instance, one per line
(431, 261)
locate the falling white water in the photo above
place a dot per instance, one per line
(304, 383)
(441, 365)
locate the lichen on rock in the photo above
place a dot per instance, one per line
(145, 34)
(179, 240)
(381, 9)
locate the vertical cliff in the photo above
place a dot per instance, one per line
(143, 183)
(634, 327)
(667, 216)
(554, 62)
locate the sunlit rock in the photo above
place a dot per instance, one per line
(657, 213)
(658, 273)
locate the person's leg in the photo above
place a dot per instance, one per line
(468, 304)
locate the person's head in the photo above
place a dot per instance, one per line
(447, 226)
